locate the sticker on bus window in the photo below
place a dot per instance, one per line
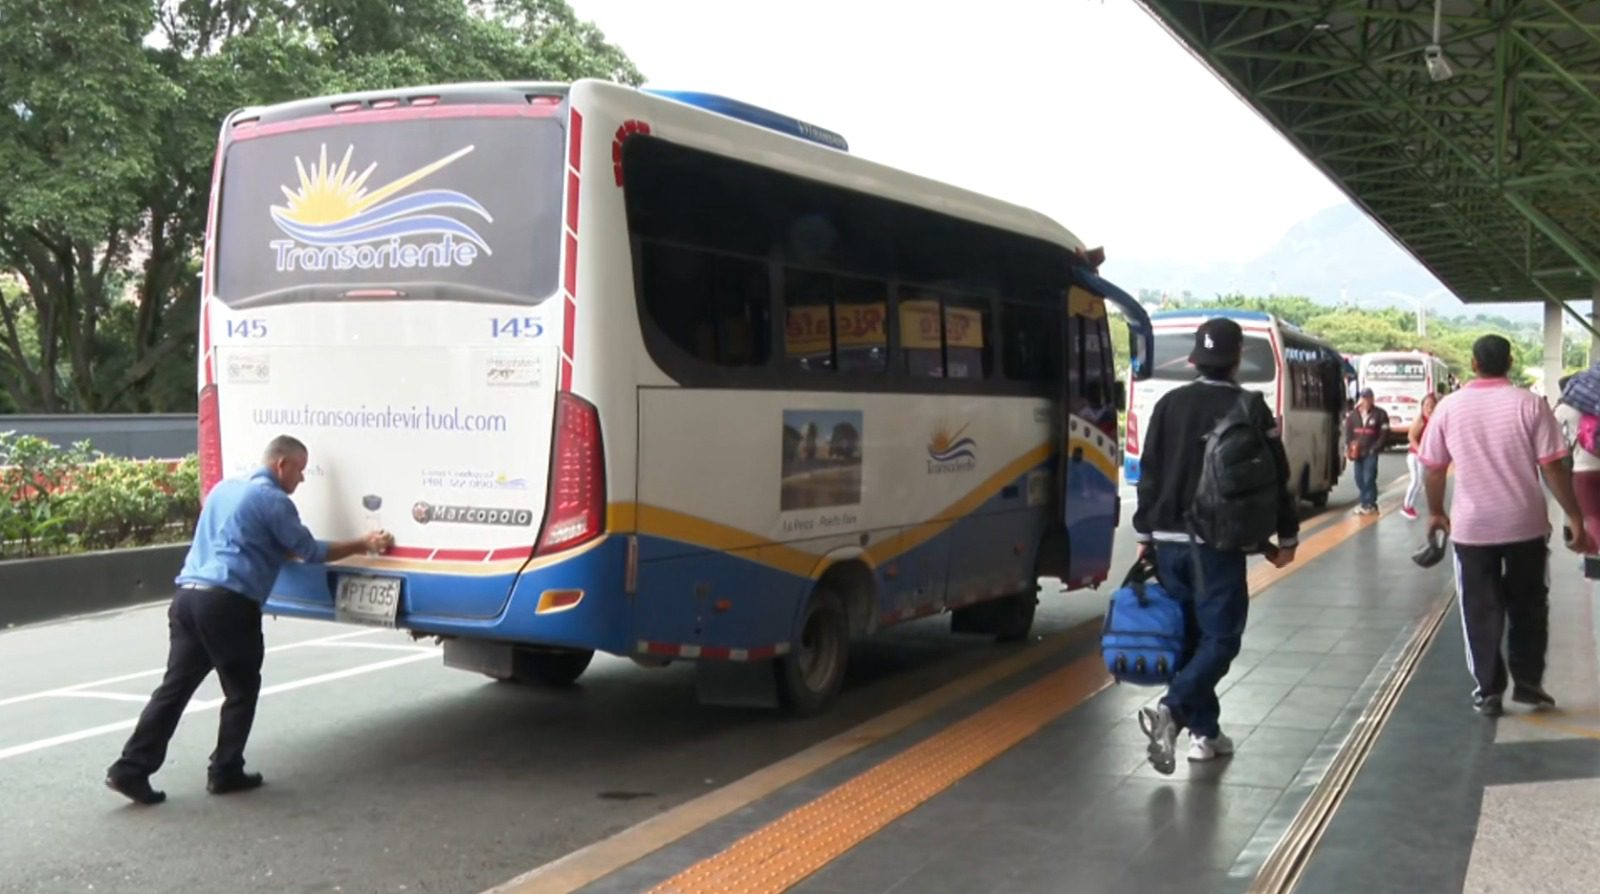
(821, 459)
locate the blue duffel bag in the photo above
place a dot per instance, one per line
(1142, 640)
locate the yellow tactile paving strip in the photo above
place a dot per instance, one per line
(786, 851)
(808, 838)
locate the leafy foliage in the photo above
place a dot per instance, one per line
(56, 500)
(108, 122)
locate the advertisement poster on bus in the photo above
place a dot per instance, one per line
(821, 459)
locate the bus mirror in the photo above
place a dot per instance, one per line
(1119, 391)
(1141, 347)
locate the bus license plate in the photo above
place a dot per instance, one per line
(364, 599)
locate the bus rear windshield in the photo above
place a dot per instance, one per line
(1395, 371)
(1256, 364)
(462, 208)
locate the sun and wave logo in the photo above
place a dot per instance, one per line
(336, 223)
(951, 451)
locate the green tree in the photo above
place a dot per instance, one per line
(1359, 332)
(110, 111)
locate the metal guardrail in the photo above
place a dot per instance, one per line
(135, 436)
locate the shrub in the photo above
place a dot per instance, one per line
(68, 499)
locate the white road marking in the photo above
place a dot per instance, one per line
(114, 696)
(95, 684)
(80, 735)
(396, 647)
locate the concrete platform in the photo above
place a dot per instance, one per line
(1039, 783)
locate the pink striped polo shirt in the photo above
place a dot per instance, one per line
(1497, 436)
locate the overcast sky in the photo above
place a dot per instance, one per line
(1085, 110)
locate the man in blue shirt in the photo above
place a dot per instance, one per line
(248, 529)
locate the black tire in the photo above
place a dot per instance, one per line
(551, 667)
(1013, 618)
(810, 675)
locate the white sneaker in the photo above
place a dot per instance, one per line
(1158, 725)
(1203, 749)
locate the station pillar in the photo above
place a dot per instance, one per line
(1552, 351)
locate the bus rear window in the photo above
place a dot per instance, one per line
(1172, 358)
(464, 208)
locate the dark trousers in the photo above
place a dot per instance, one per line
(1214, 613)
(1367, 478)
(209, 629)
(1504, 590)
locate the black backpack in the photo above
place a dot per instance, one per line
(1236, 502)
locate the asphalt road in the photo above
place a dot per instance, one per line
(387, 772)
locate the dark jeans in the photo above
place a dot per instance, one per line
(1215, 617)
(1367, 478)
(1505, 590)
(209, 629)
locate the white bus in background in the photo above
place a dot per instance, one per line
(1399, 380)
(1300, 376)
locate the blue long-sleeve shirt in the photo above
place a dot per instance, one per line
(247, 530)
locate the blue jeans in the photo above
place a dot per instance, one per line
(1214, 617)
(1367, 478)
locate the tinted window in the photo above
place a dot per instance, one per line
(1030, 340)
(713, 307)
(460, 208)
(1172, 358)
(862, 288)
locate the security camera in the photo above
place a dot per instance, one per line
(1438, 68)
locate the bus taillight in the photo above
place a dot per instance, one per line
(210, 441)
(1133, 434)
(575, 508)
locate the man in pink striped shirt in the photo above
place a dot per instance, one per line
(1499, 438)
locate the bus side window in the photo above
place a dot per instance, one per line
(920, 336)
(714, 307)
(1030, 342)
(967, 347)
(808, 321)
(861, 316)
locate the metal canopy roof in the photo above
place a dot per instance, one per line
(1490, 176)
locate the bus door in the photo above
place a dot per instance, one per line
(1089, 478)
(1090, 458)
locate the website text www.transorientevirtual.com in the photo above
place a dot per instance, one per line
(388, 418)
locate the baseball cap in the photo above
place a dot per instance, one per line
(1217, 342)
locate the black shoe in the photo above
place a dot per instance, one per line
(136, 789)
(1533, 695)
(1488, 705)
(234, 782)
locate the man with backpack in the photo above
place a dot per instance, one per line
(1213, 488)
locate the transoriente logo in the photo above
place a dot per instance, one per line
(951, 452)
(334, 223)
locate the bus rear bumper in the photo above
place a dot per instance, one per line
(577, 602)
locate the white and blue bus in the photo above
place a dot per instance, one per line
(1301, 377)
(656, 374)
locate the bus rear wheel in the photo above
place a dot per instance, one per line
(1014, 615)
(1008, 618)
(810, 675)
(550, 667)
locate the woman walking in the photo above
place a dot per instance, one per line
(1420, 425)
